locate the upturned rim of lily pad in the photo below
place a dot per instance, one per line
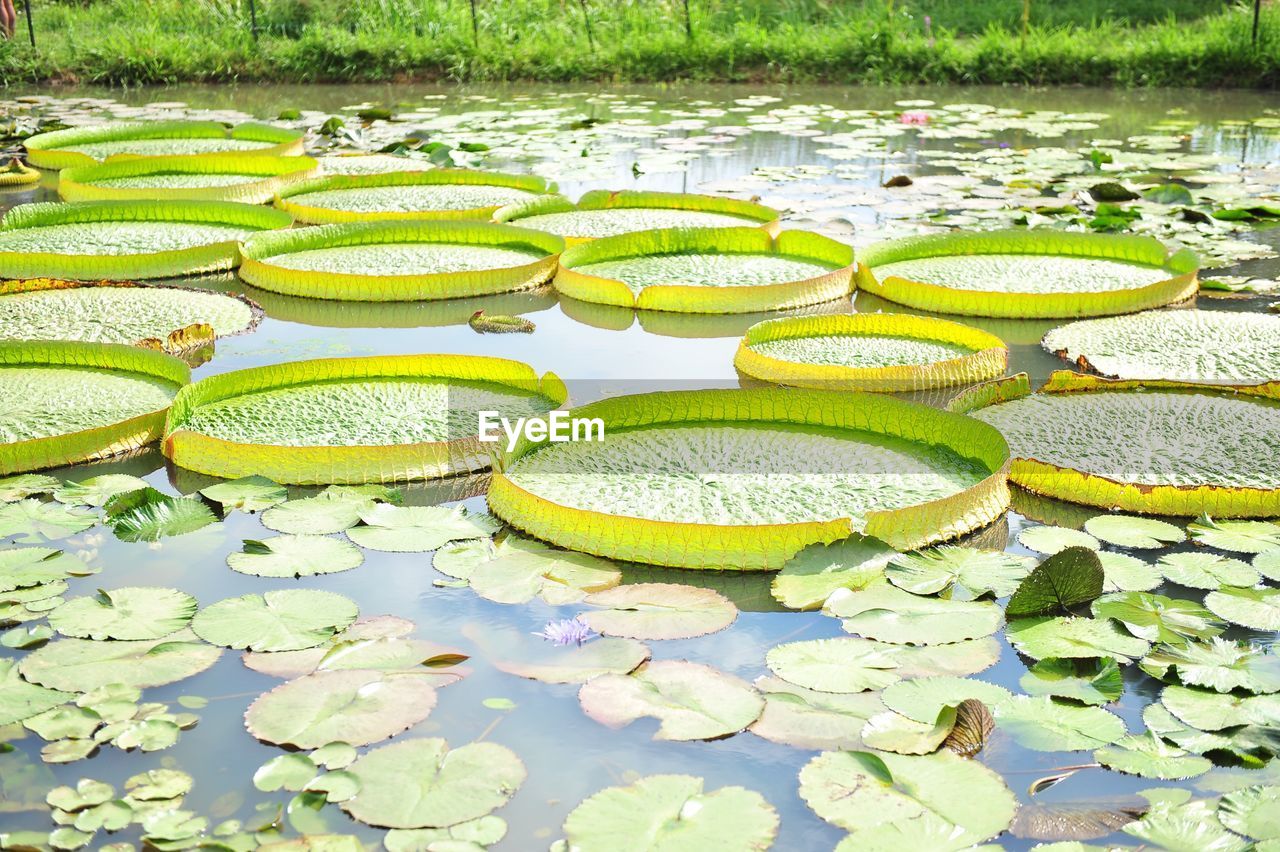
(270, 175)
(47, 150)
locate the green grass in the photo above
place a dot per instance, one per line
(1117, 42)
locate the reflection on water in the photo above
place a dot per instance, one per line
(598, 350)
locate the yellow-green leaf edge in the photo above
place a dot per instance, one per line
(989, 358)
(102, 441)
(699, 299)
(342, 465)
(257, 269)
(122, 267)
(764, 547)
(1182, 267)
(271, 175)
(1077, 486)
(45, 149)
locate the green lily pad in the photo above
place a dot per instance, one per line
(1097, 681)
(1058, 585)
(938, 801)
(331, 511)
(1193, 827)
(473, 834)
(87, 793)
(149, 515)
(158, 784)
(422, 783)
(1257, 609)
(284, 772)
(337, 787)
(1236, 536)
(1134, 532)
(667, 813)
(66, 722)
(847, 664)
(965, 572)
(26, 637)
(97, 490)
(31, 522)
(1044, 724)
(804, 718)
(658, 611)
(24, 567)
(1218, 664)
(691, 701)
(1157, 618)
(1267, 564)
(574, 663)
(1073, 638)
(1206, 570)
(890, 731)
(885, 613)
(359, 707)
(1051, 540)
(79, 665)
(515, 569)
(1151, 757)
(809, 577)
(922, 699)
(1214, 711)
(282, 620)
(248, 494)
(127, 613)
(379, 643)
(1253, 812)
(418, 529)
(335, 755)
(1124, 573)
(25, 485)
(301, 555)
(20, 699)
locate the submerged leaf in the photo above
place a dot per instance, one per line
(965, 571)
(418, 529)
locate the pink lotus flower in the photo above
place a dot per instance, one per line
(914, 117)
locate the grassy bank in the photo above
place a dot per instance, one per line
(1095, 42)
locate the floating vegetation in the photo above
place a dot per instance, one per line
(601, 213)
(870, 352)
(124, 240)
(319, 421)
(215, 177)
(435, 194)
(708, 270)
(72, 402)
(86, 146)
(400, 261)
(1024, 274)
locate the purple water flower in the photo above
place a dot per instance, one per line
(569, 631)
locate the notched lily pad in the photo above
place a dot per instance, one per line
(658, 611)
(281, 620)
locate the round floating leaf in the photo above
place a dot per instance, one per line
(335, 755)
(359, 707)
(658, 611)
(1213, 711)
(890, 731)
(803, 718)
(1060, 584)
(21, 700)
(668, 813)
(1124, 573)
(692, 701)
(14, 488)
(377, 643)
(1151, 757)
(922, 699)
(337, 787)
(32, 522)
(1087, 681)
(331, 511)
(158, 784)
(515, 569)
(809, 578)
(295, 556)
(418, 529)
(1206, 570)
(482, 833)
(1268, 564)
(1257, 609)
(1192, 827)
(887, 614)
(97, 490)
(576, 663)
(79, 665)
(248, 494)
(149, 515)
(601, 213)
(26, 567)
(939, 801)
(1236, 536)
(1129, 531)
(1203, 346)
(965, 571)
(1043, 724)
(125, 613)
(1218, 664)
(1157, 618)
(1253, 812)
(284, 772)
(1050, 540)
(76, 146)
(857, 665)
(422, 783)
(1040, 638)
(281, 620)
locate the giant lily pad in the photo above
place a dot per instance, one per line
(691, 701)
(214, 177)
(887, 614)
(281, 620)
(938, 801)
(358, 707)
(668, 813)
(400, 261)
(1191, 346)
(1154, 447)
(515, 569)
(708, 270)
(352, 420)
(658, 611)
(809, 578)
(62, 403)
(435, 194)
(964, 573)
(1039, 273)
(423, 783)
(79, 665)
(80, 146)
(333, 510)
(873, 352)
(744, 479)
(126, 614)
(248, 494)
(575, 663)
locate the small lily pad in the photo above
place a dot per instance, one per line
(282, 620)
(24, 485)
(809, 578)
(658, 611)
(79, 665)
(804, 718)
(128, 613)
(1218, 664)
(284, 772)
(248, 494)
(965, 572)
(691, 701)
(97, 490)
(1044, 724)
(1051, 540)
(1096, 681)
(885, 613)
(1206, 570)
(1236, 536)
(1149, 756)
(1256, 608)
(31, 521)
(1134, 532)
(1253, 812)
(146, 514)
(301, 555)
(1058, 585)
(1072, 638)
(418, 529)
(1157, 618)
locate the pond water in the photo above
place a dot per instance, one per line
(796, 148)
